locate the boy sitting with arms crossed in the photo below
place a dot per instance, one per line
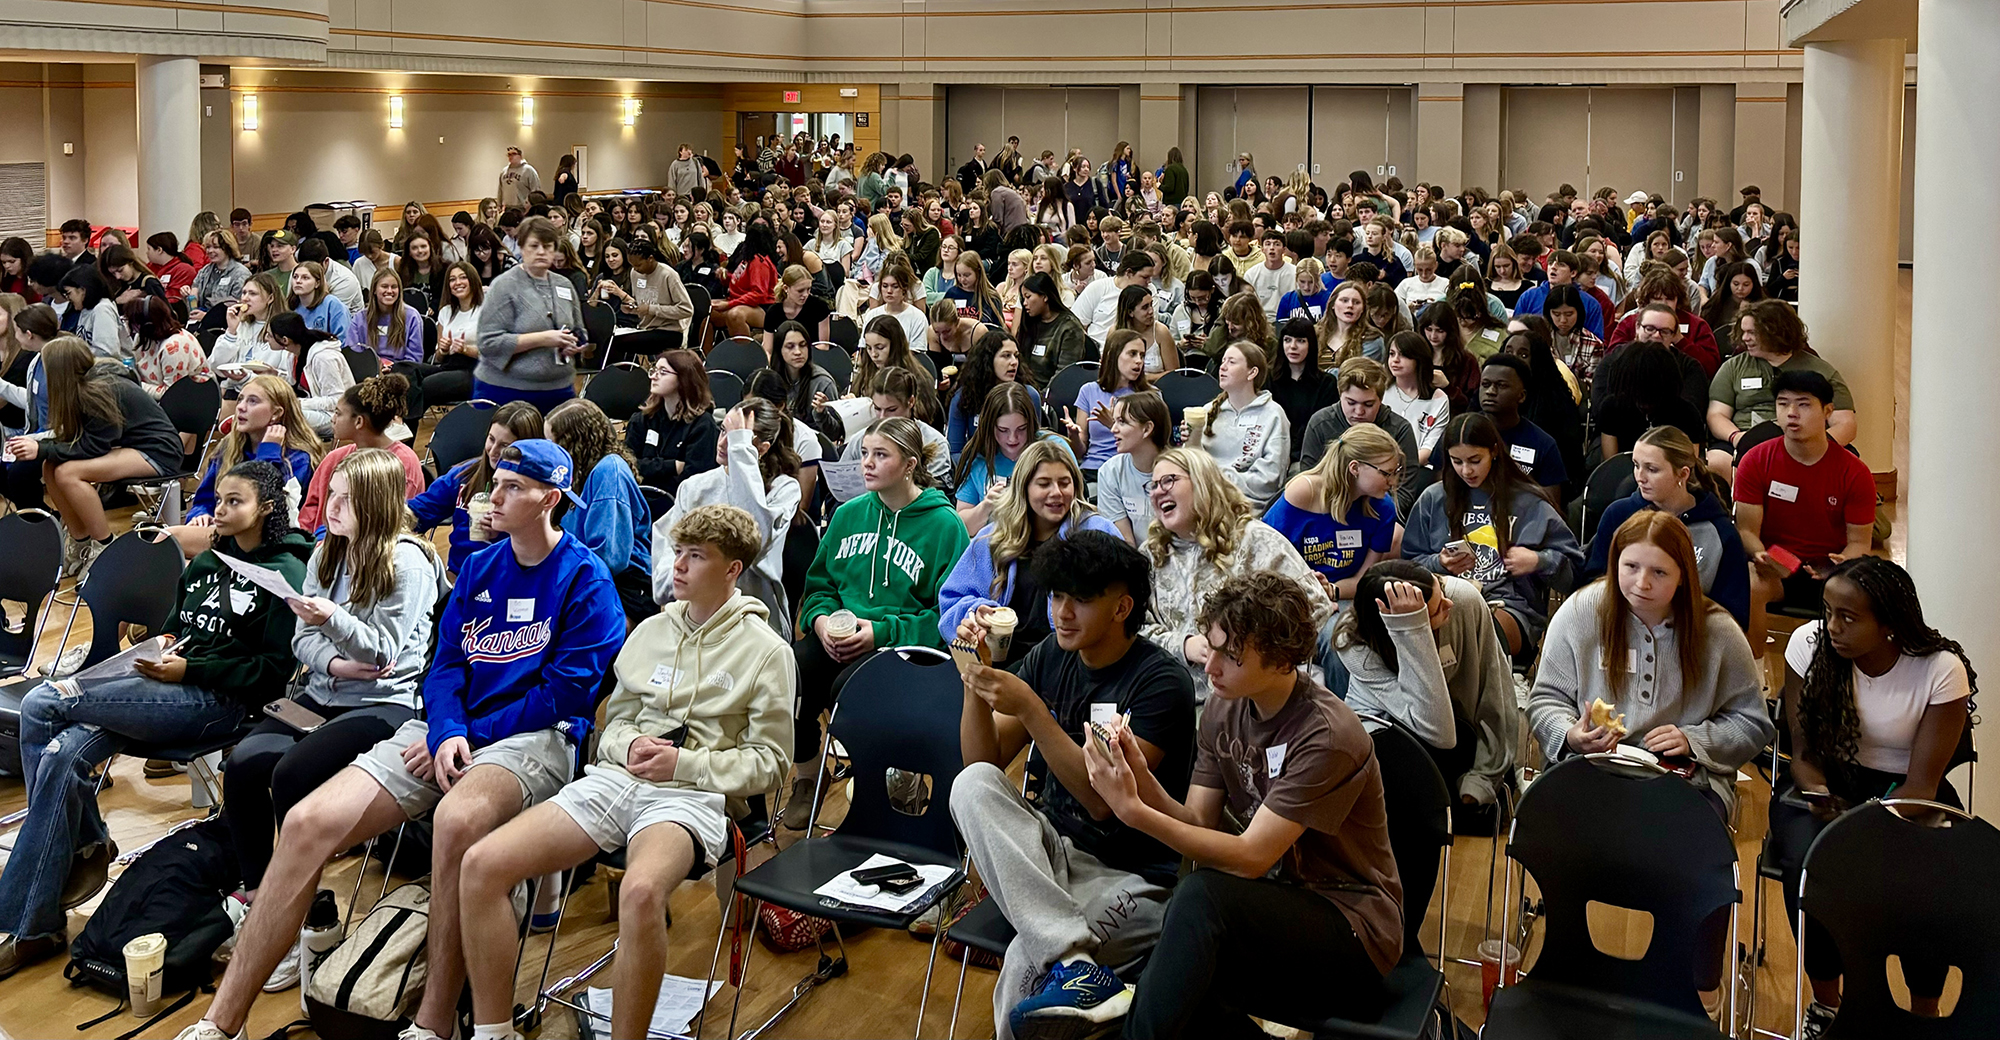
(701, 719)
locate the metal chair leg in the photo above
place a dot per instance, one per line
(923, 999)
(951, 1030)
(360, 875)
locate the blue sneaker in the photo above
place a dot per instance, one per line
(1076, 1001)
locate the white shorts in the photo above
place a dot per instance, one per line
(613, 806)
(540, 760)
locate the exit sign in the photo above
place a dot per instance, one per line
(791, 97)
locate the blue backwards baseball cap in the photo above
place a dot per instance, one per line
(545, 461)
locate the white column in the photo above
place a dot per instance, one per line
(169, 94)
(1952, 496)
(1851, 162)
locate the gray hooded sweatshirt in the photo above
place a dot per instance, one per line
(396, 628)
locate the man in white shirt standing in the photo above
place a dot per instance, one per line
(517, 181)
(1097, 305)
(1273, 278)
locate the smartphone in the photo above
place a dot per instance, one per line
(885, 876)
(1816, 799)
(1461, 546)
(293, 714)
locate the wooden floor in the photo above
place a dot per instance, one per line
(880, 994)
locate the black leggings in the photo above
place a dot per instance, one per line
(274, 768)
(1793, 828)
(820, 681)
(1233, 947)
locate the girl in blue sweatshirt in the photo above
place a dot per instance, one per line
(614, 520)
(269, 426)
(446, 498)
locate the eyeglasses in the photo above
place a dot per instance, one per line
(1166, 483)
(1661, 329)
(1391, 475)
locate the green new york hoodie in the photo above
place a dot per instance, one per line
(886, 566)
(236, 637)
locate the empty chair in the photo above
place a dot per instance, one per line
(1065, 386)
(837, 362)
(460, 435)
(725, 387)
(365, 364)
(619, 390)
(740, 356)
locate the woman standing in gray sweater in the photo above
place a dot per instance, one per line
(530, 327)
(1647, 641)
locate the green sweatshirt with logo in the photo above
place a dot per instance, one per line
(886, 566)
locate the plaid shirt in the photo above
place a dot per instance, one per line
(1581, 353)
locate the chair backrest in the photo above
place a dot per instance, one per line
(365, 364)
(418, 300)
(698, 297)
(619, 390)
(1882, 885)
(135, 581)
(845, 331)
(1195, 359)
(725, 387)
(900, 710)
(801, 546)
(658, 501)
(1066, 385)
(31, 568)
(741, 356)
(461, 434)
(1186, 386)
(1609, 482)
(1593, 831)
(924, 359)
(430, 335)
(1419, 805)
(598, 322)
(192, 406)
(828, 355)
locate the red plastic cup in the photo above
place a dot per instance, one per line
(1489, 967)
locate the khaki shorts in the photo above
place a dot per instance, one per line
(613, 806)
(540, 760)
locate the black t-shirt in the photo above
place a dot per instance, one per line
(1159, 693)
(1030, 603)
(810, 315)
(1623, 419)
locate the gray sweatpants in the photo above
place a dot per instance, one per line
(1060, 899)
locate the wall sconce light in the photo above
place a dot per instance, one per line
(527, 110)
(631, 111)
(395, 111)
(249, 111)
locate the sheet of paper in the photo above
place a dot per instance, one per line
(855, 414)
(263, 577)
(842, 479)
(844, 888)
(680, 1001)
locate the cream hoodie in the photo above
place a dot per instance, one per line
(729, 681)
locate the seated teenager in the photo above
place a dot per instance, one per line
(883, 347)
(672, 435)
(1043, 501)
(1640, 393)
(1049, 335)
(103, 426)
(1503, 395)
(1554, 396)
(1414, 394)
(1879, 705)
(1455, 370)
(1359, 384)
(1247, 434)
(523, 645)
(451, 495)
(880, 564)
(1140, 425)
(1803, 495)
(1670, 478)
(1008, 426)
(994, 359)
(684, 747)
(1420, 649)
(1664, 287)
(608, 514)
(1339, 514)
(229, 652)
(1297, 384)
(1299, 916)
(1085, 893)
(1204, 532)
(363, 634)
(267, 424)
(899, 393)
(758, 473)
(365, 411)
(317, 358)
(793, 381)
(1771, 340)
(1121, 371)
(1485, 521)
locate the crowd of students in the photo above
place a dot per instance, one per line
(1380, 511)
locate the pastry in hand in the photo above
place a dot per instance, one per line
(1604, 716)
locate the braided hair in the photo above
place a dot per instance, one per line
(1828, 717)
(268, 479)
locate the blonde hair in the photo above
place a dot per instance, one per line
(299, 435)
(1014, 522)
(907, 438)
(1220, 510)
(726, 527)
(883, 231)
(1363, 442)
(375, 481)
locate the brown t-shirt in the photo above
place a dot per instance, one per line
(1314, 765)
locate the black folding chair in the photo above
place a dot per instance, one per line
(924, 358)
(30, 570)
(365, 364)
(1609, 482)
(697, 325)
(1185, 387)
(801, 546)
(744, 357)
(192, 406)
(845, 332)
(619, 390)
(898, 711)
(1602, 828)
(1064, 388)
(460, 435)
(725, 387)
(418, 300)
(600, 323)
(1884, 885)
(837, 362)
(659, 501)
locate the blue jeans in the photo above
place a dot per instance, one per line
(543, 400)
(1329, 661)
(62, 740)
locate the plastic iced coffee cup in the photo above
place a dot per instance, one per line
(145, 961)
(477, 510)
(1489, 966)
(842, 623)
(1000, 622)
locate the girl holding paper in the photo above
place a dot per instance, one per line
(230, 651)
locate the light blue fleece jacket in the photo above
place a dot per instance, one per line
(970, 584)
(614, 522)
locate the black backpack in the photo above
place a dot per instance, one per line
(175, 888)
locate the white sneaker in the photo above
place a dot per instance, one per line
(68, 664)
(87, 554)
(286, 974)
(206, 1030)
(414, 1031)
(72, 549)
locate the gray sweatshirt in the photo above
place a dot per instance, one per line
(1721, 708)
(396, 628)
(1253, 446)
(1183, 582)
(516, 303)
(1460, 671)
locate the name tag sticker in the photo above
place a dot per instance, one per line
(1784, 492)
(1751, 383)
(1522, 454)
(1447, 657)
(1103, 714)
(1274, 759)
(664, 675)
(652, 438)
(1631, 659)
(1041, 349)
(564, 292)
(1347, 539)
(521, 609)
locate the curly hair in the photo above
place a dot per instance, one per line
(1265, 612)
(581, 428)
(379, 399)
(1220, 510)
(267, 479)
(726, 527)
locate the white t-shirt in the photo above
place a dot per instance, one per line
(1097, 307)
(1271, 286)
(1892, 704)
(1416, 293)
(916, 325)
(1426, 417)
(1121, 494)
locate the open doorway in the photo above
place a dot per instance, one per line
(754, 128)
